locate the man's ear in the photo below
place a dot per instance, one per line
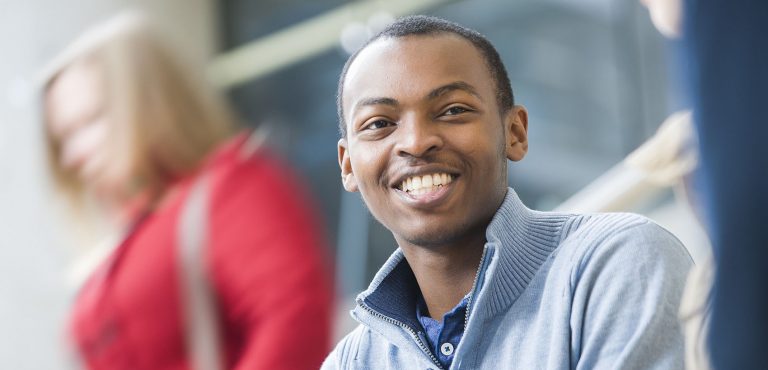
(516, 125)
(347, 176)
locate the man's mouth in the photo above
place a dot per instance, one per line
(423, 184)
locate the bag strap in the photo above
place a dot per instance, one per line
(203, 339)
(200, 313)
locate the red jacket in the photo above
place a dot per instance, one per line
(265, 259)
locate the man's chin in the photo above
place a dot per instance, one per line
(434, 238)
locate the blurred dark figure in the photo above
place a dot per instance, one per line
(726, 47)
(131, 130)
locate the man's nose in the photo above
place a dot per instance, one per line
(417, 137)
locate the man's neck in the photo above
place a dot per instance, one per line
(445, 275)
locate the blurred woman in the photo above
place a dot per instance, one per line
(131, 129)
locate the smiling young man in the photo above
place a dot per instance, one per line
(479, 281)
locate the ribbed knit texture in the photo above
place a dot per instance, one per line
(557, 291)
(519, 257)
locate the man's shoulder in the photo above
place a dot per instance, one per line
(592, 229)
(624, 275)
(595, 225)
(621, 238)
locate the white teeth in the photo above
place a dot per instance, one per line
(418, 185)
(416, 182)
(426, 181)
(437, 179)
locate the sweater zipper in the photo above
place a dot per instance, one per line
(474, 285)
(415, 335)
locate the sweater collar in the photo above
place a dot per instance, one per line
(518, 241)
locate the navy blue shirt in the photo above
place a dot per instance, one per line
(443, 338)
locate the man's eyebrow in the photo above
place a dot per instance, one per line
(458, 85)
(374, 101)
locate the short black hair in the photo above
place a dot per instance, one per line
(426, 25)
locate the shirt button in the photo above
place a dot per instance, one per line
(447, 349)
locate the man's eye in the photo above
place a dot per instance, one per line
(455, 110)
(378, 124)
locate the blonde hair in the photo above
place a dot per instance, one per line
(164, 119)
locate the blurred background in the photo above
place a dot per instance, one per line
(594, 75)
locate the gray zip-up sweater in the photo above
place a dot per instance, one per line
(554, 291)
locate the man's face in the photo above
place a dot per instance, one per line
(426, 142)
